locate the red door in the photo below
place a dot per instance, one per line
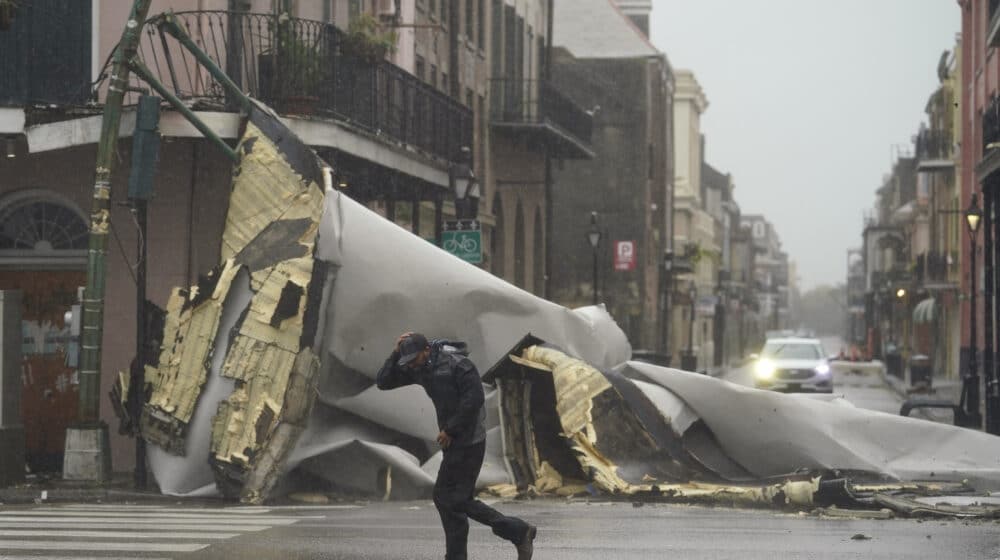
(51, 389)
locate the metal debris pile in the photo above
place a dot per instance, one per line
(265, 380)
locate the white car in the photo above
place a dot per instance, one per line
(793, 364)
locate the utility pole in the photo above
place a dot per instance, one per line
(87, 448)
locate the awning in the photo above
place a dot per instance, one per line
(924, 311)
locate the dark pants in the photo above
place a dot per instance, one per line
(454, 497)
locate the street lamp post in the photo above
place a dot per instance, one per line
(594, 237)
(464, 185)
(970, 389)
(668, 270)
(688, 361)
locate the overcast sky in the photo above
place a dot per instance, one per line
(806, 100)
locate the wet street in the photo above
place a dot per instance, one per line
(410, 531)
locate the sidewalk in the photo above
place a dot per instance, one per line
(941, 389)
(51, 490)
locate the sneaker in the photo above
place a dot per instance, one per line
(527, 546)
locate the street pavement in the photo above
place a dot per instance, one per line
(568, 530)
(411, 531)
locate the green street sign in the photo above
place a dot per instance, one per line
(466, 245)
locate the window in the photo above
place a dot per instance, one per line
(791, 351)
(418, 67)
(434, 76)
(444, 82)
(468, 99)
(444, 12)
(481, 24)
(432, 6)
(469, 17)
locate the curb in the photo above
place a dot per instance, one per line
(55, 494)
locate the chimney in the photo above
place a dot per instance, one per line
(638, 11)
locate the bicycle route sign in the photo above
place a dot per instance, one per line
(464, 244)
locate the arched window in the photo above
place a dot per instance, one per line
(40, 228)
(519, 260)
(498, 249)
(539, 256)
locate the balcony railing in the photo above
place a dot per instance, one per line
(991, 123)
(932, 268)
(993, 31)
(308, 68)
(516, 101)
(934, 145)
(45, 54)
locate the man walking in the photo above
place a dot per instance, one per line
(453, 384)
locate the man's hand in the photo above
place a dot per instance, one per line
(401, 338)
(444, 440)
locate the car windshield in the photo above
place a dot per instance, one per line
(791, 351)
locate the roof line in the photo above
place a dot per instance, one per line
(635, 28)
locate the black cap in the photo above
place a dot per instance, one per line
(410, 347)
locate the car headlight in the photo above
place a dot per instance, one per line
(823, 369)
(764, 369)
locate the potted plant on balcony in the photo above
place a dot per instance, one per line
(364, 40)
(293, 69)
(7, 10)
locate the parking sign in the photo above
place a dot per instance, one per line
(624, 255)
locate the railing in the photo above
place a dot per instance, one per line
(537, 101)
(45, 53)
(934, 144)
(991, 123)
(308, 68)
(932, 267)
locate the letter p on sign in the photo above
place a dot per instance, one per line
(624, 255)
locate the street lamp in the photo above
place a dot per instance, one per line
(688, 361)
(970, 389)
(594, 237)
(465, 187)
(668, 270)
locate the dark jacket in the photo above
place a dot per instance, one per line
(453, 384)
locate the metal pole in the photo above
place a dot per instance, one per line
(972, 380)
(100, 218)
(138, 381)
(988, 197)
(142, 72)
(595, 275)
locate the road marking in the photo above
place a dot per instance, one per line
(91, 546)
(112, 534)
(150, 526)
(34, 557)
(50, 517)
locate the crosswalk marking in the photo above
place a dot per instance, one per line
(142, 514)
(113, 534)
(36, 557)
(13, 516)
(149, 526)
(92, 546)
(104, 531)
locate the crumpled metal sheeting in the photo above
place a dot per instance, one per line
(189, 338)
(391, 281)
(771, 434)
(266, 191)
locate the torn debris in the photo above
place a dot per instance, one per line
(265, 380)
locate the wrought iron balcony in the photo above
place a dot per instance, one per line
(934, 149)
(993, 24)
(45, 48)
(932, 268)
(310, 68)
(991, 125)
(537, 105)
